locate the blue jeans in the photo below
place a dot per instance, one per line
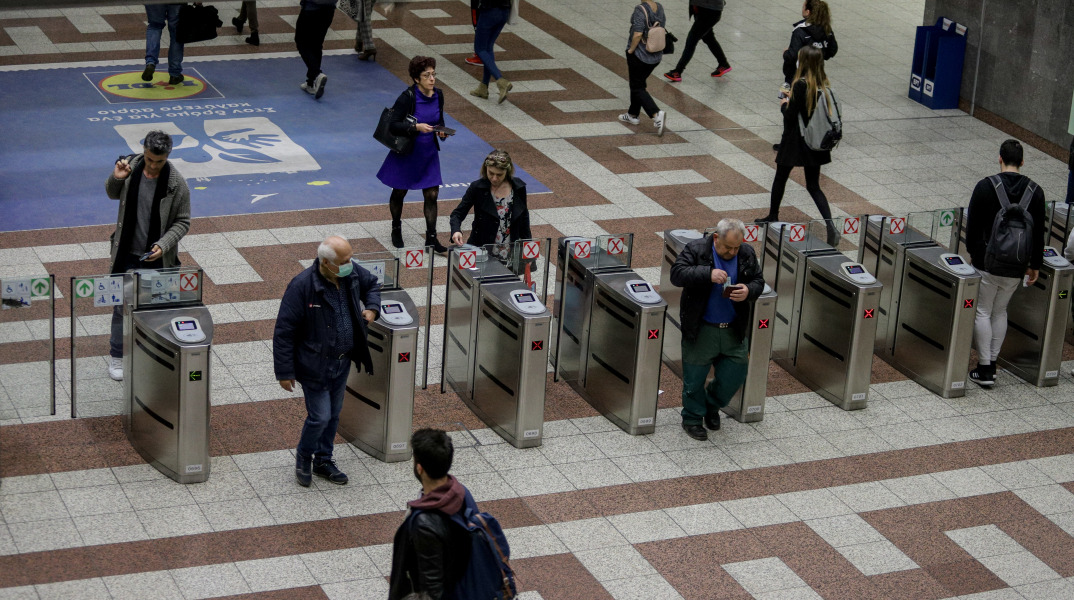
(490, 22)
(156, 15)
(322, 412)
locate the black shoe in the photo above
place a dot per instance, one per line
(253, 40)
(304, 472)
(430, 240)
(833, 236)
(174, 79)
(238, 23)
(765, 219)
(775, 147)
(984, 375)
(397, 236)
(327, 469)
(147, 74)
(713, 422)
(696, 431)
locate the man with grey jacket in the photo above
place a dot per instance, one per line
(154, 214)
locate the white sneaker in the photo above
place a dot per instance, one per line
(658, 122)
(115, 368)
(306, 88)
(318, 85)
(626, 118)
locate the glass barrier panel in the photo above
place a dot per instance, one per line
(614, 250)
(530, 259)
(96, 305)
(28, 348)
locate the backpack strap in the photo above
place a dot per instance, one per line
(645, 8)
(1001, 192)
(1027, 196)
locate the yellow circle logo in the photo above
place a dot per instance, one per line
(130, 85)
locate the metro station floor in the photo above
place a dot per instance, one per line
(913, 497)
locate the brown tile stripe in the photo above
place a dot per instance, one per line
(312, 592)
(901, 525)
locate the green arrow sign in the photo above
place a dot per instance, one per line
(39, 288)
(947, 217)
(83, 288)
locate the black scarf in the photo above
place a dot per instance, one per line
(130, 214)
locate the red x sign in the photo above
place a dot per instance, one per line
(797, 233)
(897, 225)
(188, 282)
(751, 233)
(415, 259)
(869, 313)
(582, 248)
(404, 357)
(468, 259)
(762, 324)
(536, 345)
(654, 334)
(850, 225)
(616, 245)
(967, 303)
(531, 249)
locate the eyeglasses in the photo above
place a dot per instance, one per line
(429, 75)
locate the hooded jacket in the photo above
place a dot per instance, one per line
(429, 553)
(981, 215)
(692, 271)
(807, 34)
(171, 201)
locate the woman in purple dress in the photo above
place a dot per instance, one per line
(420, 168)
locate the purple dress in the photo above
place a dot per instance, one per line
(421, 168)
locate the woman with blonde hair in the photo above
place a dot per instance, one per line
(499, 203)
(809, 83)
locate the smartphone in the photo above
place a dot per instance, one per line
(146, 256)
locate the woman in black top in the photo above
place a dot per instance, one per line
(793, 152)
(499, 203)
(815, 29)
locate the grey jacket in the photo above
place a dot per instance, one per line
(174, 213)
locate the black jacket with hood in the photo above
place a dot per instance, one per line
(429, 552)
(692, 272)
(981, 215)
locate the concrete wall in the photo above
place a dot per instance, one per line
(1027, 60)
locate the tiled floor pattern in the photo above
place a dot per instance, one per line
(914, 497)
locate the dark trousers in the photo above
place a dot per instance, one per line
(721, 351)
(323, 405)
(249, 11)
(637, 72)
(704, 20)
(812, 179)
(310, 28)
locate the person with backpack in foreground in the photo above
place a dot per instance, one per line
(810, 96)
(1005, 238)
(445, 548)
(645, 49)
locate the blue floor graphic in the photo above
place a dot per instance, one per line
(247, 139)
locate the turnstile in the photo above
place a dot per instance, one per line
(609, 331)
(496, 344)
(748, 403)
(1037, 320)
(827, 309)
(168, 335)
(378, 408)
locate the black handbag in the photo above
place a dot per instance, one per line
(197, 24)
(669, 43)
(399, 144)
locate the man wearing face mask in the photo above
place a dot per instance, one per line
(320, 331)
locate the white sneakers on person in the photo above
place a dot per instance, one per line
(658, 122)
(115, 368)
(626, 118)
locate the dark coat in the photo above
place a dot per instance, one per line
(429, 554)
(982, 211)
(304, 337)
(171, 209)
(404, 107)
(692, 272)
(486, 220)
(792, 147)
(806, 34)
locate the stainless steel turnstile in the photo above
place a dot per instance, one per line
(609, 331)
(1037, 319)
(496, 345)
(748, 403)
(168, 335)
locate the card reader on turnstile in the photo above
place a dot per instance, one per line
(394, 313)
(187, 330)
(526, 302)
(956, 264)
(640, 290)
(856, 272)
(1053, 259)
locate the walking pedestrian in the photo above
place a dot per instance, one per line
(492, 15)
(706, 14)
(815, 29)
(310, 30)
(641, 63)
(248, 10)
(363, 36)
(156, 16)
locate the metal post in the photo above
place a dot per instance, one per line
(429, 320)
(52, 342)
(447, 290)
(547, 267)
(567, 250)
(74, 380)
(977, 68)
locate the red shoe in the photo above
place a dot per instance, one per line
(475, 61)
(673, 76)
(720, 71)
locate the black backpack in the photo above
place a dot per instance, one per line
(1011, 243)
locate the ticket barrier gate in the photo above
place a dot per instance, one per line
(378, 408)
(1037, 320)
(496, 332)
(748, 404)
(925, 327)
(168, 336)
(826, 309)
(609, 324)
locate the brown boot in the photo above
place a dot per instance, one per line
(504, 86)
(481, 91)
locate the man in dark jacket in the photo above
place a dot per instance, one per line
(429, 552)
(320, 330)
(998, 286)
(719, 275)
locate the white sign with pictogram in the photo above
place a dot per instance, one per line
(897, 225)
(797, 233)
(947, 218)
(189, 282)
(531, 249)
(582, 248)
(752, 233)
(616, 245)
(108, 291)
(415, 259)
(851, 225)
(468, 259)
(16, 293)
(83, 288)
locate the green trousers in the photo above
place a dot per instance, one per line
(720, 350)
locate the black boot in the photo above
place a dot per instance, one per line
(254, 39)
(833, 235)
(430, 240)
(397, 235)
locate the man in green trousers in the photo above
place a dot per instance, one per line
(720, 276)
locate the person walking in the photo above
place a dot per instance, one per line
(498, 200)
(793, 152)
(248, 10)
(363, 36)
(156, 16)
(706, 14)
(641, 63)
(417, 111)
(312, 25)
(492, 15)
(815, 29)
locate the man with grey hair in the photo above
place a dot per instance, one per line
(719, 275)
(154, 214)
(320, 331)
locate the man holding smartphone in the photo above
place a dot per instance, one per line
(719, 275)
(154, 214)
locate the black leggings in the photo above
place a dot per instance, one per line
(395, 205)
(812, 179)
(638, 71)
(704, 20)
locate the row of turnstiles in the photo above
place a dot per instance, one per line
(901, 288)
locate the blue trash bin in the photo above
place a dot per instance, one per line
(936, 72)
